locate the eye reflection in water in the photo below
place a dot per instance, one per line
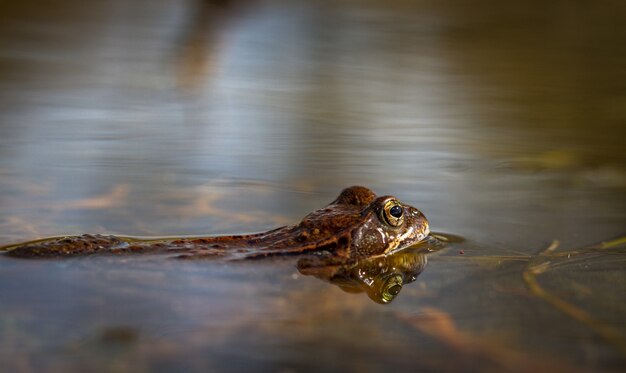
(381, 277)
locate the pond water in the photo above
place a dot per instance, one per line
(504, 123)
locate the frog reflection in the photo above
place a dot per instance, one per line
(381, 278)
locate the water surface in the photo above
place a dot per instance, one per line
(504, 123)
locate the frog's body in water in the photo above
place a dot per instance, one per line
(357, 224)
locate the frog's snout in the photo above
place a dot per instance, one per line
(426, 228)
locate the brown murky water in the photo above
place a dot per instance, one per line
(504, 123)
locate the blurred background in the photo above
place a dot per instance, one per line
(504, 122)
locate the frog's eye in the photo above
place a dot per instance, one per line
(396, 212)
(393, 213)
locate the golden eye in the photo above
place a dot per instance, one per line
(391, 288)
(393, 213)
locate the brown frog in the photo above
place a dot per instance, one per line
(358, 224)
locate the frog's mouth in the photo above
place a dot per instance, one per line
(419, 240)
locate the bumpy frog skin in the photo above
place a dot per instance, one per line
(358, 224)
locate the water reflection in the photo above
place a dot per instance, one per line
(503, 122)
(200, 43)
(380, 278)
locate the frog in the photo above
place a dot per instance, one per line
(357, 224)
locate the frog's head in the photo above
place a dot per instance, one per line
(388, 226)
